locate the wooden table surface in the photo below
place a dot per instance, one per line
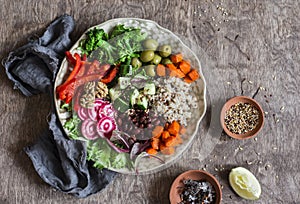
(248, 46)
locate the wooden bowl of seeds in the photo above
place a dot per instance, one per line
(242, 117)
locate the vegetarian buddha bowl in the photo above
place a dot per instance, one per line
(133, 92)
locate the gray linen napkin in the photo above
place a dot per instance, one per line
(59, 161)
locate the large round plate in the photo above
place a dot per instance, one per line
(162, 35)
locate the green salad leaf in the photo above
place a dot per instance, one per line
(66, 106)
(94, 39)
(72, 125)
(128, 44)
(118, 30)
(122, 44)
(104, 156)
(105, 53)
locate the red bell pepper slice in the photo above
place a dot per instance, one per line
(110, 76)
(93, 67)
(70, 58)
(68, 91)
(84, 57)
(73, 73)
(76, 100)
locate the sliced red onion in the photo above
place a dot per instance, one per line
(118, 136)
(134, 150)
(89, 129)
(83, 113)
(117, 149)
(106, 124)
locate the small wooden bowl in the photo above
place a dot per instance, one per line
(194, 175)
(243, 99)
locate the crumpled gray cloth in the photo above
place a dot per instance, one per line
(59, 161)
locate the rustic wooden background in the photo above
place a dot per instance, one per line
(248, 44)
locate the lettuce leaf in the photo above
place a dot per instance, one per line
(122, 44)
(72, 125)
(104, 156)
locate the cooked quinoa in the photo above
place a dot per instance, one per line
(174, 100)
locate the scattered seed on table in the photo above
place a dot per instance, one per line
(267, 166)
(262, 88)
(249, 162)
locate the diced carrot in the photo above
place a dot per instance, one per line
(168, 150)
(185, 66)
(155, 143)
(170, 141)
(151, 151)
(179, 73)
(178, 140)
(182, 130)
(171, 67)
(162, 146)
(172, 73)
(160, 70)
(176, 58)
(174, 128)
(156, 132)
(187, 79)
(193, 74)
(167, 125)
(165, 135)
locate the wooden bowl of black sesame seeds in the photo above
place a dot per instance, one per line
(242, 117)
(195, 186)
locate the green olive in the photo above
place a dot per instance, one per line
(147, 55)
(136, 63)
(156, 59)
(165, 50)
(150, 70)
(150, 44)
(166, 61)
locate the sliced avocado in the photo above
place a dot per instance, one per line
(134, 96)
(114, 93)
(149, 89)
(124, 82)
(121, 105)
(142, 102)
